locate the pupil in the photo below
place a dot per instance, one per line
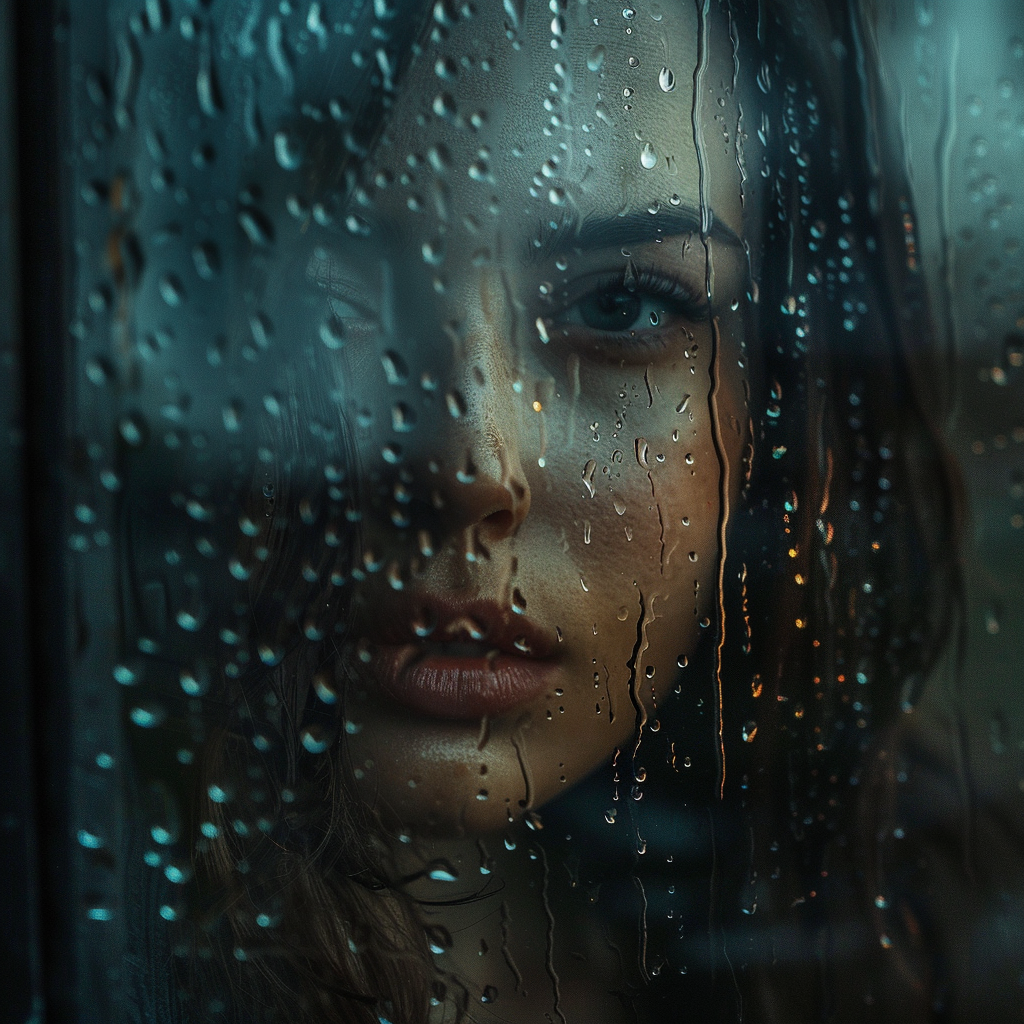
(612, 310)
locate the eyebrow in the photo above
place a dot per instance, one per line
(627, 229)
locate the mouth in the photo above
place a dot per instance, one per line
(457, 660)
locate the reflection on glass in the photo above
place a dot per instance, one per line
(533, 519)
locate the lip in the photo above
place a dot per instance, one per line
(475, 658)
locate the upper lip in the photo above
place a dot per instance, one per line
(456, 620)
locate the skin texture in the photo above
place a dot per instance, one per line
(619, 580)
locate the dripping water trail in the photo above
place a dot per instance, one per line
(661, 521)
(638, 705)
(734, 39)
(634, 691)
(573, 366)
(723, 524)
(944, 150)
(790, 254)
(642, 950)
(661, 525)
(506, 949)
(712, 908)
(550, 959)
(485, 733)
(513, 313)
(944, 147)
(608, 694)
(699, 71)
(524, 766)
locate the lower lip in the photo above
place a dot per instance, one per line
(440, 686)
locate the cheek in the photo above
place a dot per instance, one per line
(644, 467)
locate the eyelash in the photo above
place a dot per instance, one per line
(650, 284)
(340, 292)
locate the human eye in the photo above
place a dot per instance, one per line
(352, 311)
(636, 313)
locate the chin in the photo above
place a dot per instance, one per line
(433, 778)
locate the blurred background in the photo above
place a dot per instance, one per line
(955, 72)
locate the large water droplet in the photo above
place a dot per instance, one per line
(596, 59)
(325, 688)
(588, 476)
(648, 158)
(332, 333)
(256, 226)
(171, 290)
(99, 371)
(195, 681)
(403, 418)
(438, 938)
(442, 871)
(125, 675)
(315, 739)
(444, 106)
(89, 840)
(423, 623)
(456, 404)
(641, 450)
(666, 79)
(287, 151)
(433, 251)
(148, 716)
(206, 258)
(132, 429)
(395, 368)
(207, 87)
(279, 54)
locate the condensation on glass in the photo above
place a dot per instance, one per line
(509, 533)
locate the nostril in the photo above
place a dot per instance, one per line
(499, 523)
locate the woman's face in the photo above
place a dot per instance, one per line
(546, 421)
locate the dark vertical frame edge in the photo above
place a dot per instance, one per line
(21, 973)
(43, 245)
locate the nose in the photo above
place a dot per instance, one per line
(475, 462)
(481, 484)
(490, 492)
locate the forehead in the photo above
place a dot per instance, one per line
(542, 116)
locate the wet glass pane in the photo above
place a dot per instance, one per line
(541, 511)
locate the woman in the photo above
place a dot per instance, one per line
(591, 457)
